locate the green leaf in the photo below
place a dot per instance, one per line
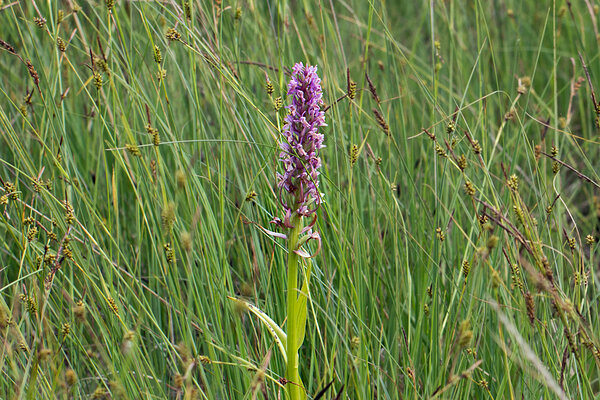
(301, 307)
(275, 330)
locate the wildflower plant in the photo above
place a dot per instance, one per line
(299, 196)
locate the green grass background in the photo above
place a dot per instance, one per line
(392, 314)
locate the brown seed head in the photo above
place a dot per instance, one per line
(6, 46)
(381, 121)
(32, 72)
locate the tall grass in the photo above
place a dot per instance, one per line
(460, 222)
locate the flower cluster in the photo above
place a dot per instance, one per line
(299, 182)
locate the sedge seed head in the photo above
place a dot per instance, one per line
(133, 149)
(69, 213)
(381, 122)
(180, 178)
(351, 91)
(11, 190)
(440, 151)
(112, 304)
(269, 87)
(79, 311)
(32, 233)
(173, 35)
(187, 10)
(204, 360)
(470, 188)
(65, 329)
(251, 195)
(60, 43)
(440, 234)
(186, 241)
(157, 55)
(169, 253)
(555, 167)
(462, 162)
(40, 22)
(277, 103)
(465, 334)
(97, 78)
(513, 183)
(353, 153)
(168, 217)
(70, 377)
(476, 147)
(466, 268)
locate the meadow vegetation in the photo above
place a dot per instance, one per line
(139, 146)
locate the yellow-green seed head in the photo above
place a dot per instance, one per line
(60, 43)
(169, 253)
(278, 103)
(79, 311)
(440, 234)
(440, 151)
(269, 87)
(470, 188)
(186, 241)
(462, 162)
(133, 149)
(69, 213)
(173, 35)
(180, 178)
(70, 377)
(112, 304)
(353, 153)
(187, 10)
(65, 329)
(32, 233)
(168, 217)
(466, 268)
(351, 89)
(555, 167)
(465, 334)
(251, 195)
(204, 360)
(513, 183)
(492, 242)
(40, 22)
(97, 77)
(157, 55)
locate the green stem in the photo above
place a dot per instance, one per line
(295, 389)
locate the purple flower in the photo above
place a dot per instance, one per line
(299, 182)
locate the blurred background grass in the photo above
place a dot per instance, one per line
(441, 275)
